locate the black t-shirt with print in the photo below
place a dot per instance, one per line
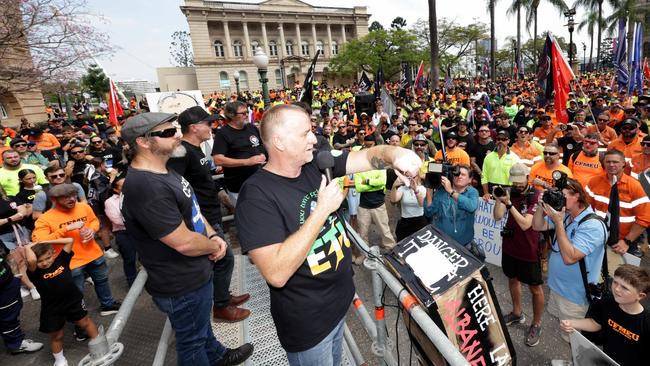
(317, 296)
(237, 144)
(626, 336)
(153, 206)
(55, 283)
(479, 151)
(7, 208)
(195, 167)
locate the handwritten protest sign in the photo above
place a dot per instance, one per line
(487, 231)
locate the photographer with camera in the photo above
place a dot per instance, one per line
(453, 205)
(579, 235)
(520, 259)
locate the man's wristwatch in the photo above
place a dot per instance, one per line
(508, 206)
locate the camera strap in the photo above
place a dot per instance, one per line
(603, 268)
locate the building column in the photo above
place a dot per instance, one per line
(265, 39)
(228, 46)
(299, 39)
(328, 49)
(343, 33)
(313, 35)
(247, 42)
(282, 42)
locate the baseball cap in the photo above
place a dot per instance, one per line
(519, 173)
(17, 141)
(646, 139)
(630, 121)
(195, 115)
(452, 135)
(140, 124)
(503, 133)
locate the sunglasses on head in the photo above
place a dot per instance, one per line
(166, 133)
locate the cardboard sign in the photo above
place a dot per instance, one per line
(174, 102)
(487, 231)
(586, 353)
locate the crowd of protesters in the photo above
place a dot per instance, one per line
(495, 135)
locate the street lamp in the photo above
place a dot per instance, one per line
(584, 55)
(261, 60)
(236, 76)
(571, 24)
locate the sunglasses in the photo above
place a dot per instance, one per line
(645, 144)
(420, 145)
(97, 142)
(551, 153)
(412, 124)
(628, 128)
(603, 120)
(166, 133)
(53, 176)
(76, 152)
(503, 139)
(589, 142)
(20, 145)
(483, 130)
(522, 131)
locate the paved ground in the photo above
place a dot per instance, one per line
(143, 330)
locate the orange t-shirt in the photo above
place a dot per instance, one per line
(584, 168)
(46, 141)
(608, 135)
(52, 225)
(455, 156)
(541, 134)
(529, 154)
(615, 118)
(629, 150)
(640, 163)
(541, 171)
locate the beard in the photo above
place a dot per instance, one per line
(179, 152)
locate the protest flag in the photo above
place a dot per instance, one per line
(646, 69)
(419, 79)
(307, 86)
(405, 80)
(636, 79)
(114, 106)
(544, 74)
(364, 82)
(622, 76)
(379, 82)
(562, 76)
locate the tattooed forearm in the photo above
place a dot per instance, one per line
(378, 163)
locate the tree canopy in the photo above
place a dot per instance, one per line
(180, 49)
(96, 81)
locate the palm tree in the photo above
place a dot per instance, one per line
(515, 8)
(597, 5)
(433, 49)
(531, 15)
(493, 41)
(590, 21)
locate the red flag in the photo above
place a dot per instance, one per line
(646, 69)
(562, 75)
(419, 79)
(114, 107)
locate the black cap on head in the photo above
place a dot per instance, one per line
(503, 133)
(16, 141)
(630, 121)
(194, 115)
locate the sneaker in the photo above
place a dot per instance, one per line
(80, 334)
(236, 356)
(511, 318)
(110, 310)
(534, 332)
(27, 346)
(35, 294)
(110, 253)
(24, 292)
(63, 362)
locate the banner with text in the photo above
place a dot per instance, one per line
(487, 231)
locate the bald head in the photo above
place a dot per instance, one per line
(274, 120)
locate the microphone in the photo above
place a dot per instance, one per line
(325, 163)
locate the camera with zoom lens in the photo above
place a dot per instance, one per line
(597, 291)
(507, 233)
(498, 191)
(437, 170)
(554, 196)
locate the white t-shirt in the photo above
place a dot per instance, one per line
(409, 203)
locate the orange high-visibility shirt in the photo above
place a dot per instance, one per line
(528, 154)
(629, 150)
(541, 171)
(634, 203)
(455, 156)
(640, 163)
(585, 167)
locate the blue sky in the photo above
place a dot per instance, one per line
(141, 29)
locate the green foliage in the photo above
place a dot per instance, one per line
(180, 49)
(95, 81)
(387, 48)
(375, 26)
(398, 23)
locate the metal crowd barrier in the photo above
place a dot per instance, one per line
(376, 328)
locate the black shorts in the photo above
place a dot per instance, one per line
(529, 273)
(54, 318)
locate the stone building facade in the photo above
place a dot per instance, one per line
(225, 35)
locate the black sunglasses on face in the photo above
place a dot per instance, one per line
(551, 153)
(76, 152)
(20, 145)
(54, 176)
(503, 139)
(97, 142)
(420, 145)
(166, 133)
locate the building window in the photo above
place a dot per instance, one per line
(289, 46)
(335, 48)
(273, 49)
(304, 48)
(278, 77)
(254, 45)
(243, 80)
(319, 46)
(3, 112)
(224, 83)
(218, 48)
(236, 47)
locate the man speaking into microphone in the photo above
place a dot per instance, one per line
(287, 224)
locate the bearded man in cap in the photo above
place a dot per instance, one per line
(174, 240)
(194, 166)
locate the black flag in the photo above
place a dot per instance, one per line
(405, 82)
(379, 82)
(544, 67)
(307, 86)
(364, 82)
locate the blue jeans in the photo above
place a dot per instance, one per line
(222, 274)
(98, 271)
(126, 246)
(327, 352)
(189, 316)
